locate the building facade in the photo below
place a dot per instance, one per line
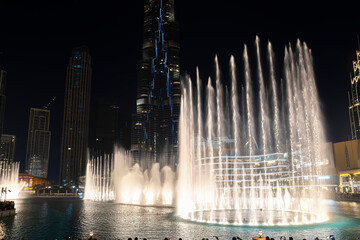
(3, 75)
(155, 123)
(38, 143)
(7, 149)
(347, 163)
(354, 99)
(76, 117)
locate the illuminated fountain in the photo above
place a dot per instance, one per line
(252, 155)
(9, 180)
(115, 178)
(248, 155)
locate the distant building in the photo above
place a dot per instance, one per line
(110, 127)
(156, 121)
(76, 117)
(7, 148)
(2, 98)
(106, 126)
(347, 163)
(354, 99)
(31, 182)
(38, 143)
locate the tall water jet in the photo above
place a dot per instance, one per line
(9, 180)
(264, 122)
(275, 101)
(274, 184)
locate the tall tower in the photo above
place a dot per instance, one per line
(354, 99)
(155, 124)
(38, 143)
(76, 117)
(2, 98)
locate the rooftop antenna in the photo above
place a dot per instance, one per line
(49, 103)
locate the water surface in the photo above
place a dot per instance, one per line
(45, 218)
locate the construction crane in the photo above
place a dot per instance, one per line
(49, 103)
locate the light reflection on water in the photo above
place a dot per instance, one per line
(57, 218)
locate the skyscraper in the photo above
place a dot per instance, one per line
(38, 143)
(354, 99)
(7, 149)
(155, 124)
(76, 116)
(111, 128)
(106, 126)
(2, 98)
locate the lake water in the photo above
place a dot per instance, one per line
(45, 218)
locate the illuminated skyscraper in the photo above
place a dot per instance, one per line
(155, 124)
(38, 143)
(7, 149)
(76, 117)
(354, 99)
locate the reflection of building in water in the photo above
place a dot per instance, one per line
(347, 162)
(7, 148)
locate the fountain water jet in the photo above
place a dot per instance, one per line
(9, 179)
(116, 178)
(231, 179)
(252, 163)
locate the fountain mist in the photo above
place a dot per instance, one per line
(115, 178)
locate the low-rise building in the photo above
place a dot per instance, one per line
(347, 163)
(31, 182)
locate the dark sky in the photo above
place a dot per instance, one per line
(36, 41)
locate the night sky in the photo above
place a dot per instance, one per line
(36, 41)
